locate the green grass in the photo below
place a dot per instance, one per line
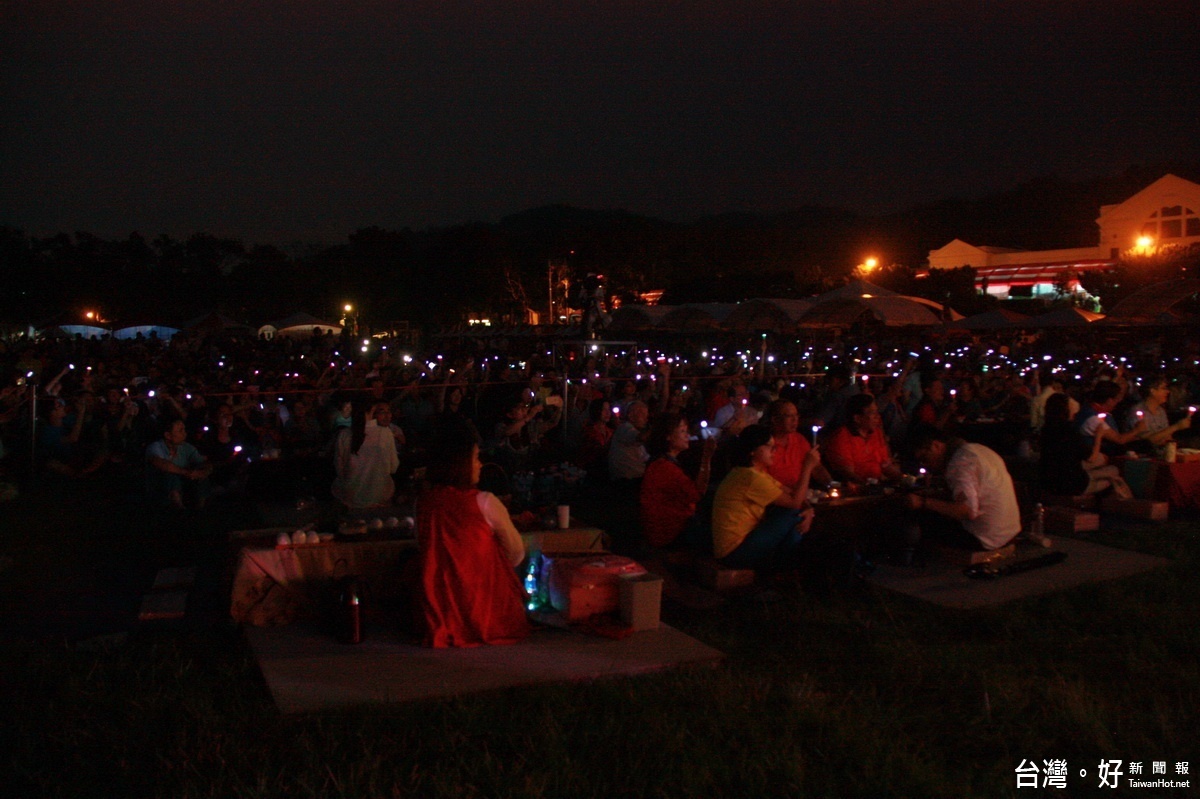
(855, 693)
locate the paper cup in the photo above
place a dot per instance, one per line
(564, 517)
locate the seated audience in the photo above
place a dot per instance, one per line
(1092, 420)
(593, 447)
(470, 592)
(1158, 429)
(627, 454)
(981, 511)
(756, 521)
(178, 472)
(857, 451)
(1068, 466)
(364, 460)
(791, 448)
(669, 497)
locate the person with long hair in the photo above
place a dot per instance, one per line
(756, 521)
(364, 460)
(1068, 466)
(669, 497)
(597, 433)
(468, 551)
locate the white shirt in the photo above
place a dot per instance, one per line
(498, 519)
(978, 477)
(627, 455)
(364, 479)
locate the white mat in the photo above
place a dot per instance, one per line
(307, 670)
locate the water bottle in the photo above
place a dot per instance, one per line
(1038, 532)
(531, 582)
(350, 622)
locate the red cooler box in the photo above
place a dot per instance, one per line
(583, 585)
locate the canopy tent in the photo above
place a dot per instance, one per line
(161, 332)
(890, 310)
(1154, 304)
(758, 315)
(214, 322)
(853, 290)
(996, 319)
(86, 331)
(1063, 317)
(697, 316)
(299, 324)
(638, 317)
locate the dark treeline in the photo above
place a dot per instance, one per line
(437, 276)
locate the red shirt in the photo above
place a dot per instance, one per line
(471, 594)
(790, 451)
(668, 501)
(856, 458)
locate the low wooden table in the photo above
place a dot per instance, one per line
(276, 585)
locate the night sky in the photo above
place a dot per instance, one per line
(284, 121)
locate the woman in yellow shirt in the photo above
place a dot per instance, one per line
(756, 520)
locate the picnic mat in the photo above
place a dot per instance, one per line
(946, 585)
(307, 670)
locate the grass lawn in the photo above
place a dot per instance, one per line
(855, 692)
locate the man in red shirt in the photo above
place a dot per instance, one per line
(859, 451)
(790, 447)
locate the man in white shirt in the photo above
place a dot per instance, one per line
(982, 510)
(627, 453)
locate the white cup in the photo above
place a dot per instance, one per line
(564, 517)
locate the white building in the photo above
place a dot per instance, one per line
(1164, 214)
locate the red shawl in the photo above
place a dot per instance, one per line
(471, 594)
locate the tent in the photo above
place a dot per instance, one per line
(638, 317)
(299, 324)
(996, 319)
(697, 316)
(890, 311)
(757, 315)
(213, 323)
(161, 332)
(1064, 317)
(86, 331)
(853, 290)
(1153, 304)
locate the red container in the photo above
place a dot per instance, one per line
(584, 585)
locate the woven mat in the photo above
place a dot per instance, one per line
(307, 670)
(946, 585)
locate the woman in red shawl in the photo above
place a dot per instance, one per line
(469, 551)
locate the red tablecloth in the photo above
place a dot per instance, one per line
(1177, 483)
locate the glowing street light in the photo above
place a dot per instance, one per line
(870, 263)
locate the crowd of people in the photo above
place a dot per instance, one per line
(719, 446)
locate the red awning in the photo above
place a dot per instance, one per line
(1029, 274)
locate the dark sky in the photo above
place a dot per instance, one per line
(294, 120)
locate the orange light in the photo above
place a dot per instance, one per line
(871, 263)
(1145, 242)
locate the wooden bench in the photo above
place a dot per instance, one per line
(168, 596)
(1080, 502)
(1066, 521)
(1136, 508)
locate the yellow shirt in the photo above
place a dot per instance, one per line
(739, 505)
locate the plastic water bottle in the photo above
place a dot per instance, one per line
(1038, 533)
(531, 582)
